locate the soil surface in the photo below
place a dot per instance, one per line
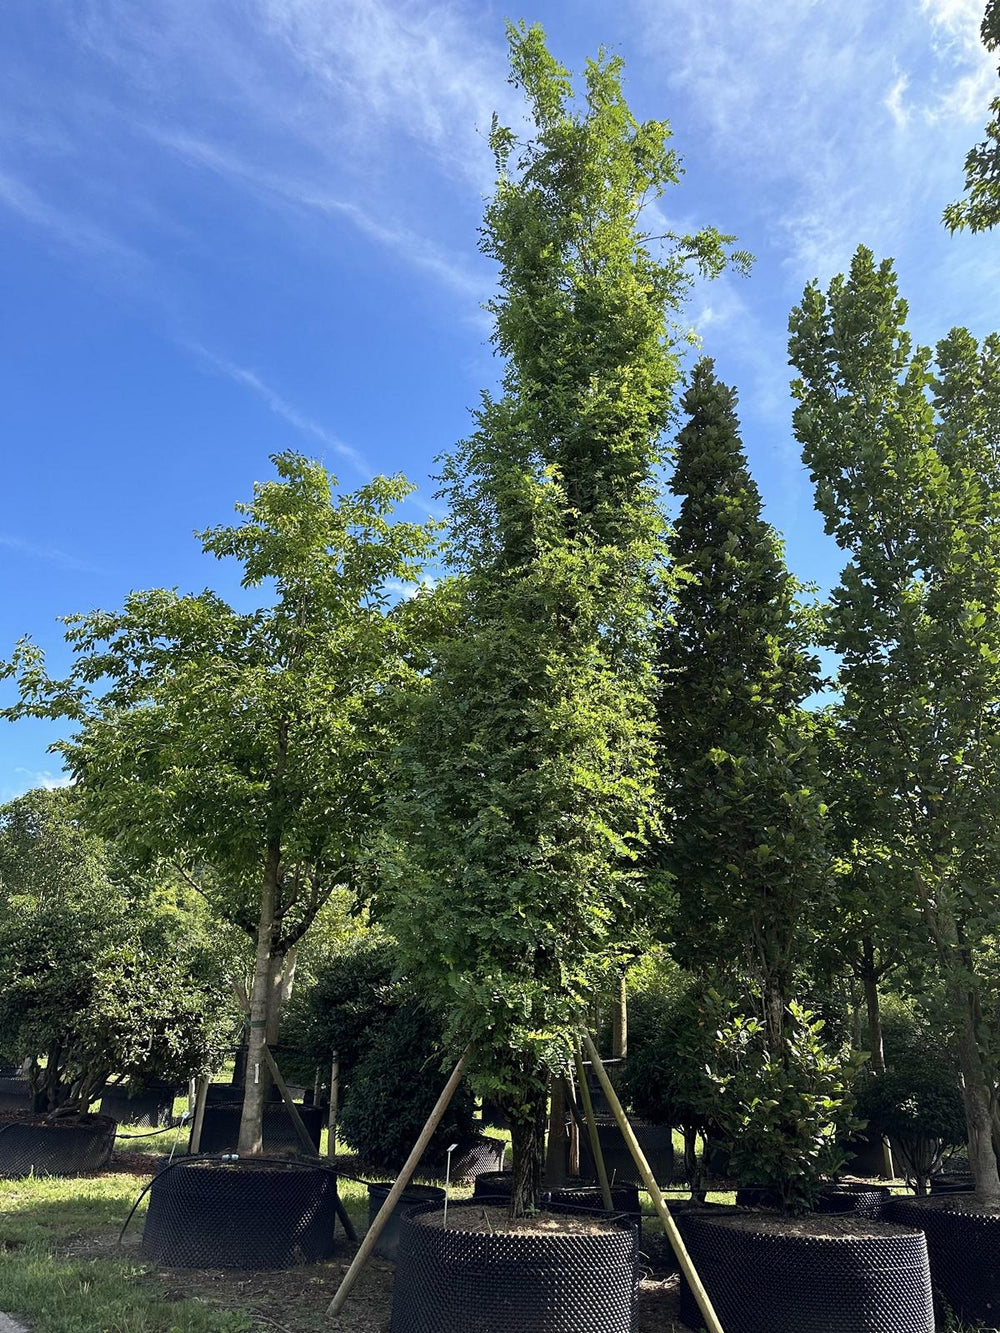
(72, 1120)
(824, 1226)
(959, 1203)
(493, 1220)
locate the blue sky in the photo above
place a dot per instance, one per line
(230, 227)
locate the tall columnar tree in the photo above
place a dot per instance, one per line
(904, 450)
(745, 836)
(980, 209)
(527, 777)
(248, 748)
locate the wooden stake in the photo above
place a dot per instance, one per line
(669, 1225)
(331, 1132)
(201, 1097)
(394, 1195)
(592, 1134)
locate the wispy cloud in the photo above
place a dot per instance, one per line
(65, 226)
(51, 554)
(280, 406)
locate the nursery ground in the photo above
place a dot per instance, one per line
(62, 1271)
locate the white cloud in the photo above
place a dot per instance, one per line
(305, 425)
(66, 227)
(52, 554)
(894, 102)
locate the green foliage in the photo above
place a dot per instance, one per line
(394, 1087)
(782, 1118)
(98, 976)
(980, 209)
(205, 733)
(744, 843)
(354, 993)
(527, 773)
(902, 448)
(917, 1102)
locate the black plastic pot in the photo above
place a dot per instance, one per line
(456, 1281)
(951, 1182)
(414, 1196)
(656, 1142)
(588, 1200)
(964, 1250)
(247, 1214)
(768, 1273)
(14, 1093)
(864, 1200)
(220, 1130)
(476, 1153)
(493, 1185)
(59, 1148)
(150, 1108)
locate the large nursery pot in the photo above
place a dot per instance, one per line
(963, 1243)
(573, 1196)
(656, 1142)
(764, 1272)
(475, 1154)
(863, 1199)
(951, 1182)
(220, 1130)
(555, 1274)
(14, 1093)
(150, 1108)
(252, 1213)
(414, 1196)
(68, 1145)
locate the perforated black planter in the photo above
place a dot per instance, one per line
(951, 1182)
(150, 1108)
(476, 1153)
(59, 1148)
(460, 1281)
(220, 1131)
(763, 1274)
(588, 1200)
(863, 1200)
(964, 1250)
(493, 1185)
(248, 1214)
(656, 1142)
(414, 1196)
(14, 1093)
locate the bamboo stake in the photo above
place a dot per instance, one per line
(201, 1097)
(595, 1141)
(394, 1195)
(652, 1188)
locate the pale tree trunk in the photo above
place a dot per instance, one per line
(774, 1016)
(619, 1022)
(963, 996)
(251, 1139)
(869, 979)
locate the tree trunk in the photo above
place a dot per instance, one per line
(957, 966)
(527, 1136)
(251, 1141)
(619, 1022)
(978, 1100)
(774, 1016)
(691, 1167)
(869, 979)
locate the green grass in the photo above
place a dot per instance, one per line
(47, 1226)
